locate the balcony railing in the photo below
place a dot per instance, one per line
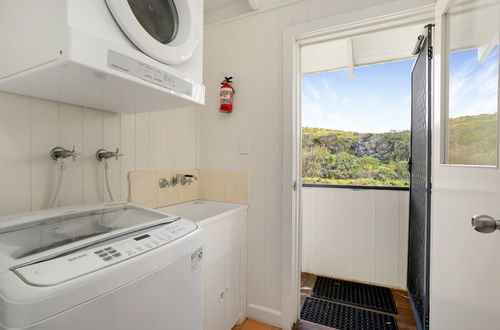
(356, 233)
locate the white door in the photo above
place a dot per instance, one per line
(465, 264)
(214, 296)
(232, 288)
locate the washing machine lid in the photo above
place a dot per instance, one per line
(163, 29)
(25, 239)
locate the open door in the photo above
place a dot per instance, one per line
(420, 180)
(465, 263)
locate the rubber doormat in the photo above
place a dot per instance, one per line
(357, 294)
(344, 317)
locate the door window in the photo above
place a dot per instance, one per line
(158, 17)
(473, 57)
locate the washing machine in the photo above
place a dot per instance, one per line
(117, 55)
(100, 267)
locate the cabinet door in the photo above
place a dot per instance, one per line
(214, 296)
(232, 288)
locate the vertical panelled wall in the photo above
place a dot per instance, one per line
(30, 128)
(359, 235)
(250, 50)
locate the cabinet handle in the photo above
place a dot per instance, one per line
(221, 296)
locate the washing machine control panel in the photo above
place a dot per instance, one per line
(73, 265)
(150, 74)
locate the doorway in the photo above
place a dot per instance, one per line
(295, 206)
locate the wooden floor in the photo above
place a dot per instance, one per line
(405, 318)
(254, 325)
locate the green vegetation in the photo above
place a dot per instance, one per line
(473, 140)
(339, 157)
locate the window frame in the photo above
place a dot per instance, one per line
(445, 81)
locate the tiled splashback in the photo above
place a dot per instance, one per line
(222, 186)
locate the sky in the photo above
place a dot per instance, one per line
(473, 84)
(378, 99)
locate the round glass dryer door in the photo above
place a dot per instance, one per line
(166, 30)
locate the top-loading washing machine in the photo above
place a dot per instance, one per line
(118, 55)
(100, 267)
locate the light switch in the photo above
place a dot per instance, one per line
(244, 146)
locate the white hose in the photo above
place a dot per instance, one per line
(62, 170)
(106, 170)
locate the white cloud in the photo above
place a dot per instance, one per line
(474, 88)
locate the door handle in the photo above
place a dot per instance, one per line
(485, 224)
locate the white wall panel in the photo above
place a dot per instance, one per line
(364, 238)
(250, 50)
(110, 141)
(92, 170)
(343, 233)
(354, 234)
(30, 128)
(44, 136)
(15, 165)
(71, 132)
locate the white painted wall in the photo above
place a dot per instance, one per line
(357, 235)
(30, 128)
(250, 50)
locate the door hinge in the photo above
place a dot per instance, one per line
(427, 321)
(430, 52)
(294, 185)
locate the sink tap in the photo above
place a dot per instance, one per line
(62, 153)
(103, 154)
(184, 179)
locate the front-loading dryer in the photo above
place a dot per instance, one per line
(166, 30)
(118, 55)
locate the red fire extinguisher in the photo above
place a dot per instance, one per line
(226, 95)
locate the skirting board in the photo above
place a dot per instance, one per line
(265, 315)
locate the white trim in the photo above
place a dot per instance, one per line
(350, 58)
(273, 6)
(264, 314)
(383, 16)
(442, 7)
(255, 4)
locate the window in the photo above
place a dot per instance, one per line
(472, 123)
(357, 131)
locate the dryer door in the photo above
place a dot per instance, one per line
(166, 30)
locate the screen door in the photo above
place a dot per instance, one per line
(420, 184)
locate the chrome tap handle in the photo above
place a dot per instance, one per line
(74, 154)
(163, 183)
(118, 154)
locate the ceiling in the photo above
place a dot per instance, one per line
(219, 10)
(382, 46)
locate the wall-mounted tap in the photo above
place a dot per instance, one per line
(184, 179)
(164, 183)
(181, 179)
(59, 154)
(62, 153)
(103, 154)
